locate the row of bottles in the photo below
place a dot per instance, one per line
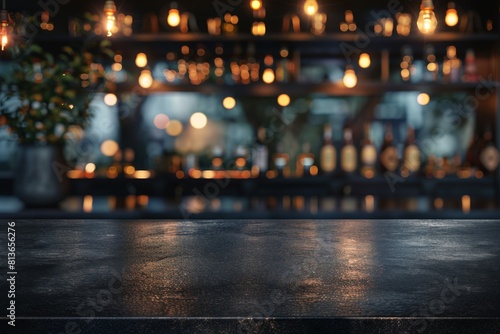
(349, 158)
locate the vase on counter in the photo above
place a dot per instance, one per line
(39, 175)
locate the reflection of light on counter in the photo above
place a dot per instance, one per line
(479, 174)
(466, 203)
(369, 203)
(438, 203)
(142, 174)
(246, 174)
(179, 174)
(87, 203)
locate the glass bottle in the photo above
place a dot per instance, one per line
(368, 155)
(328, 153)
(348, 153)
(411, 155)
(389, 159)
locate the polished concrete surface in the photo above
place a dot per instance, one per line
(414, 275)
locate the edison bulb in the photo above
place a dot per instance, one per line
(256, 4)
(109, 11)
(451, 18)
(141, 60)
(350, 79)
(5, 39)
(174, 18)
(364, 60)
(311, 7)
(268, 76)
(146, 79)
(427, 21)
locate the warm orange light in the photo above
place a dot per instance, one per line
(4, 19)
(350, 79)
(284, 100)
(427, 21)
(268, 76)
(146, 79)
(229, 102)
(174, 17)
(451, 18)
(109, 11)
(423, 99)
(364, 60)
(256, 4)
(141, 60)
(310, 7)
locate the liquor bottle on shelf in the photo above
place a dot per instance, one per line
(282, 66)
(432, 68)
(368, 155)
(489, 157)
(470, 67)
(328, 153)
(411, 155)
(280, 161)
(389, 159)
(305, 161)
(452, 66)
(348, 153)
(260, 153)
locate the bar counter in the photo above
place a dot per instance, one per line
(256, 276)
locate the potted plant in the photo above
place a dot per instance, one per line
(43, 95)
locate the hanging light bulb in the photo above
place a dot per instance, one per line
(146, 79)
(141, 60)
(109, 11)
(4, 21)
(426, 18)
(311, 7)
(173, 18)
(256, 4)
(268, 76)
(350, 79)
(364, 60)
(451, 18)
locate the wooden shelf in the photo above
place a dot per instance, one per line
(359, 37)
(331, 89)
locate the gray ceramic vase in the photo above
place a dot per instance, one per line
(40, 175)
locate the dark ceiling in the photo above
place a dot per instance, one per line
(276, 8)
